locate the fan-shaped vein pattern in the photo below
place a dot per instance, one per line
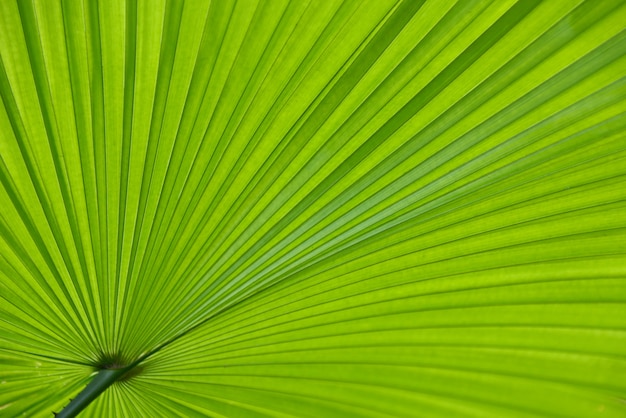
(314, 208)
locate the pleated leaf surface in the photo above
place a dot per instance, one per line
(314, 208)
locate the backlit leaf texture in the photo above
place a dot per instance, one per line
(314, 208)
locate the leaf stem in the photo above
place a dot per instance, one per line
(104, 379)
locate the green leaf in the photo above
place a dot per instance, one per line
(313, 208)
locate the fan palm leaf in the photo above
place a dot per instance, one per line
(313, 208)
